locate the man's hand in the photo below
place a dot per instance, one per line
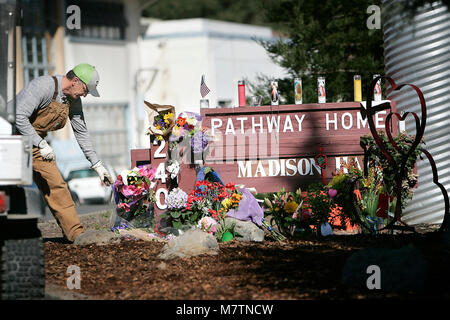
(46, 151)
(103, 173)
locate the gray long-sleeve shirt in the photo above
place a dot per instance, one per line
(38, 94)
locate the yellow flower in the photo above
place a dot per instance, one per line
(168, 117)
(290, 206)
(227, 203)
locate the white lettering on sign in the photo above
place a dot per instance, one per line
(288, 124)
(360, 121)
(277, 167)
(259, 124)
(345, 160)
(158, 198)
(158, 153)
(269, 124)
(347, 118)
(160, 173)
(273, 163)
(300, 121)
(379, 120)
(245, 169)
(242, 123)
(215, 124)
(292, 167)
(328, 121)
(230, 127)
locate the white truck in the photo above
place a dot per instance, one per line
(22, 273)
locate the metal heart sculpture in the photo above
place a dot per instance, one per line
(369, 111)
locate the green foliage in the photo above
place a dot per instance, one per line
(285, 209)
(320, 203)
(249, 11)
(343, 184)
(390, 172)
(323, 38)
(224, 228)
(181, 219)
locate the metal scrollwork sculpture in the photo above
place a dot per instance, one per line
(400, 166)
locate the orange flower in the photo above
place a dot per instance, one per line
(181, 121)
(358, 194)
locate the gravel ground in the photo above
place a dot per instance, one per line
(97, 221)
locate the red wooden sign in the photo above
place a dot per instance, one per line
(271, 147)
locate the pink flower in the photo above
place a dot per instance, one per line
(332, 192)
(131, 190)
(207, 224)
(125, 206)
(147, 171)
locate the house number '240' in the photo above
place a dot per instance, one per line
(160, 173)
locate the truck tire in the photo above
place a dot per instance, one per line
(22, 272)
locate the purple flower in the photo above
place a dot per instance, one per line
(176, 199)
(199, 142)
(197, 116)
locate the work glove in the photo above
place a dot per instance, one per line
(103, 173)
(46, 151)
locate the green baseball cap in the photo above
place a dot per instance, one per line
(89, 76)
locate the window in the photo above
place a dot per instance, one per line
(100, 20)
(34, 51)
(35, 46)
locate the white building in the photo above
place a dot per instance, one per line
(137, 59)
(176, 53)
(55, 36)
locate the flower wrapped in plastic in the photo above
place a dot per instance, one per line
(186, 125)
(134, 195)
(189, 137)
(161, 119)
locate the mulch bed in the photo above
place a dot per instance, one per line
(301, 269)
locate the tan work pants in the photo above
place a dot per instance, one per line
(47, 177)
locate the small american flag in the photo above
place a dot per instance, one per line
(204, 90)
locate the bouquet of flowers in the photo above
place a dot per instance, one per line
(177, 215)
(161, 119)
(133, 192)
(210, 202)
(207, 199)
(186, 124)
(189, 131)
(287, 211)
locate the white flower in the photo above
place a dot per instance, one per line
(173, 169)
(124, 175)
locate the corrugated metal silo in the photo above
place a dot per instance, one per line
(417, 51)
